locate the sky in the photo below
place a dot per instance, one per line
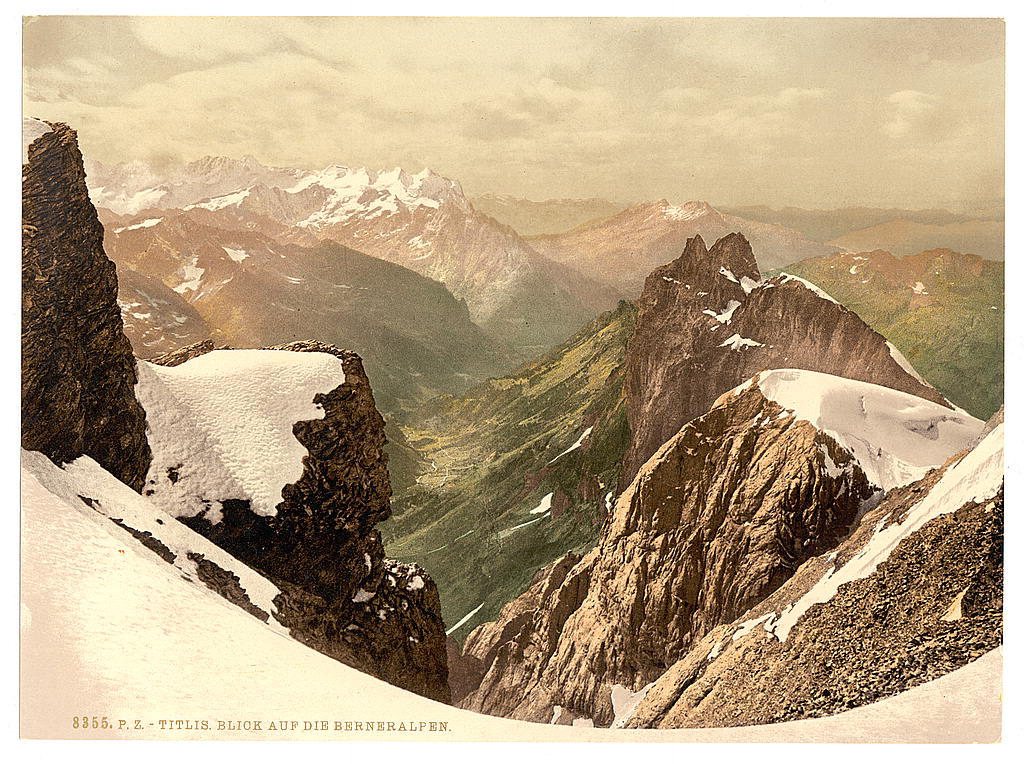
(815, 113)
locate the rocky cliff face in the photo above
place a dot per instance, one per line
(77, 366)
(707, 322)
(719, 518)
(914, 593)
(340, 595)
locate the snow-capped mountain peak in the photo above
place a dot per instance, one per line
(686, 211)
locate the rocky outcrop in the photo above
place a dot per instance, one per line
(719, 518)
(77, 366)
(924, 598)
(707, 322)
(321, 547)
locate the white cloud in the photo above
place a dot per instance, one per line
(910, 109)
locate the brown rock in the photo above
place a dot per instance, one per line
(715, 522)
(342, 596)
(876, 637)
(78, 372)
(679, 359)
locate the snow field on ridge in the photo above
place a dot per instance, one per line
(222, 422)
(895, 437)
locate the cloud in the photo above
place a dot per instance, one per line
(910, 111)
(625, 108)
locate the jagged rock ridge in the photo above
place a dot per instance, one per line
(321, 546)
(707, 322)
(924, 599)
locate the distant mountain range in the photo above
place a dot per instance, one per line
(826, 225)
(422, 222)
(625, 247)
(183, 280)
(906, 237)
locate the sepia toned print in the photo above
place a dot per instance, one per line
(512, 379)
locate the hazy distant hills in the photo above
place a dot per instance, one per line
(944, 310)
(624, 248)
(551, 216)
(825, 225)
(905, 237)
(902, 232)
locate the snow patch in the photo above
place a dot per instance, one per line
(736, 342)
(462, 621)
(144, 224)
(223, 423)
(238, 255)
(624, 703)
(574, 446)
(191, 276)
(904, 364)
(725, 316)
(31, 130)
(813, 287)
(544, 506)
(895, 437)
(220, 202)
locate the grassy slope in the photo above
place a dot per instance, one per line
(955, 341)
(488, 457)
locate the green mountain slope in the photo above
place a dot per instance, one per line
(506, 448)
(942, 309)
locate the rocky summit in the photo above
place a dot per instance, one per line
(708, 321)
(914, 593)
(719, 518)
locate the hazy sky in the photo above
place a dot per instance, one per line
(814, 113)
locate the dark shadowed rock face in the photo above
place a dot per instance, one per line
(78, 372)
(341, 596)
(718, 519)
(707, 323)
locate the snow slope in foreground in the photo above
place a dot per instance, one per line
(110, 629)
(895, 437)
(221, 424)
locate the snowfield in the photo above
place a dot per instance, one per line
(109, 627)
(220, 426)
(895, 437)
